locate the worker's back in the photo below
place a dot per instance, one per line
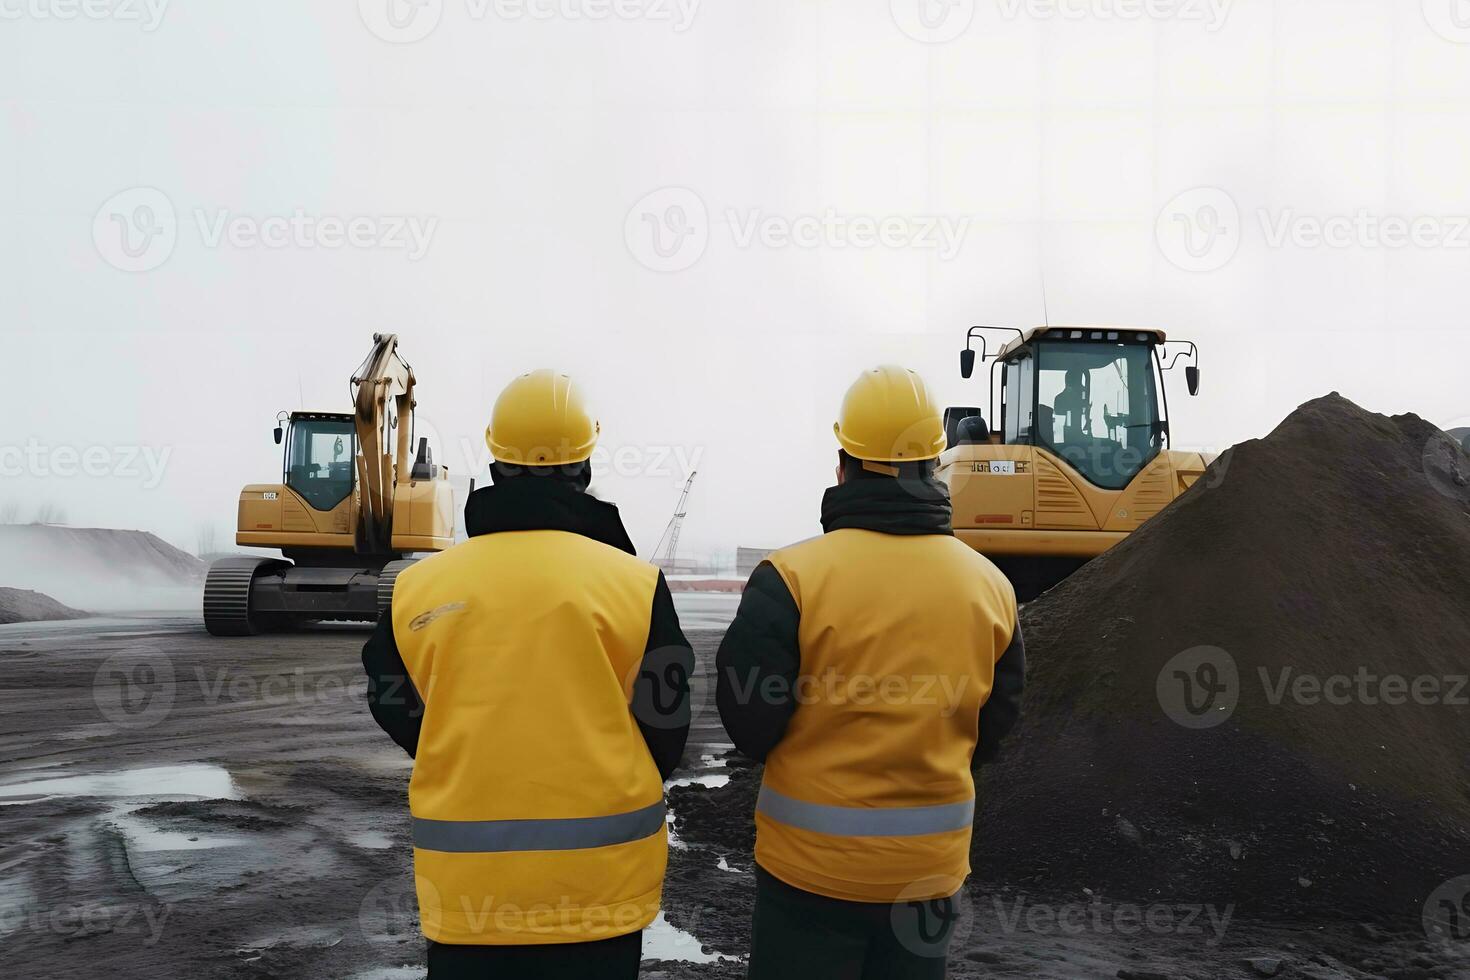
(899, 637)
(870, 669)
(525, 646)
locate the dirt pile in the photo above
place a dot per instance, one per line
(1260, 697)
(100, 568)
(22, 606)
(1258, 700)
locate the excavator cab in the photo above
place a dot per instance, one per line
(351, 511)
(1075, 453)
(319, 458)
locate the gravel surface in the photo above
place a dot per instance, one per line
(177, 805)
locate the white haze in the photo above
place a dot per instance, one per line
(526, 142)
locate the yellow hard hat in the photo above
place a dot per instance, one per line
(888, 417)
(541, 420)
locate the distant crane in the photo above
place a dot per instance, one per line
(668, 545)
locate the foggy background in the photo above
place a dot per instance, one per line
(601, 186)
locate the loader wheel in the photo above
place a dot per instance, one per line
(227, 609)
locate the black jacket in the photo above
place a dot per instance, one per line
(761, 647)
(661, 694)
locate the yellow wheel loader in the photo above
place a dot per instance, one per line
(1078, 456)
(351, 509)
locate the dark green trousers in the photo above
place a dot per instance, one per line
(796, 935)
(606, 959)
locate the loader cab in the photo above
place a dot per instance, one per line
(1088, 399)
(1092, 397)
(320, 457)
(1075, 455)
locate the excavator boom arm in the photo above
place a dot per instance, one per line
(383, 455)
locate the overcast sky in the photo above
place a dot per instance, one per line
(712, 214)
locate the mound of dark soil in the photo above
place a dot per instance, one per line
(1260, 697)
(23, 606)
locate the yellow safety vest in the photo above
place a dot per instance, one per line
(538, 812)
(869, 796)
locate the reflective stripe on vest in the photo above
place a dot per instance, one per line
(853, 821)
(570, 834)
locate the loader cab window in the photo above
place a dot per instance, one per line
(320, 460)
(1098, 408)
(1019, 387)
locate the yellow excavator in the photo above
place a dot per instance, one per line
(351, 509)
(1079, 455)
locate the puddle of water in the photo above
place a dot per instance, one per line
(373, 840)
(195, 779)
(706, 610)
(143, 837)
(663, 940)
(298, 937)
(710, 780)
(100, 730)
(674, 840)
(711, 762)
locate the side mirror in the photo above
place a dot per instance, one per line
(1191, 378)
(280, 434)
(967, 363)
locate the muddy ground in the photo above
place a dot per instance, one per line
(176, 805)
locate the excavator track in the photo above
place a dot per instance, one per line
(227, 609)
(386, 580)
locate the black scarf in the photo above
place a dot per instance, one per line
(532, 503)
(890, 505)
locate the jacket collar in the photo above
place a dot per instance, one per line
(891, 506)
(544, 504)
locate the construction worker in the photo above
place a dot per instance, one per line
(538, 676)
(871, 669)
(1073, 407)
